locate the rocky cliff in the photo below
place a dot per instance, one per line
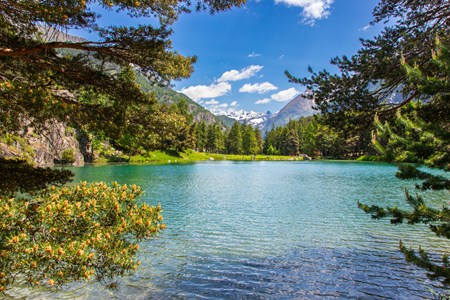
(55, 143)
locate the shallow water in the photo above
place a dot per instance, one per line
(276, 230)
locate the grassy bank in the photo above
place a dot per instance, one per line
(192, 156)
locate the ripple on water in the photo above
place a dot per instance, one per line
(271, 231)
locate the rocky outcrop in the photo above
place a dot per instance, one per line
(54, 144)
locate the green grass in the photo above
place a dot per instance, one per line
(193, 156)
(368, 158)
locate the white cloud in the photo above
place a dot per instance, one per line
(312, 9)
(281, 56)
(253, 54)
(365, 28)
(259, 88)
(281, 96)
(235, 75)
(263, 101)
(207, 91)
(218, 108)
(285, 95)
(234, 104)
(211, 102)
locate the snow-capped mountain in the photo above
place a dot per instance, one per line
(256, 119)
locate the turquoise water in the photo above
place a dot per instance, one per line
(277, 230)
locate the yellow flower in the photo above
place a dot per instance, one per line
(49, 249)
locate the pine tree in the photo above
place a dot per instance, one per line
(249, 141)
(215, 139)
(422, 138)
(234, 140)
(201, 136)
(259, 139)
(292, 145)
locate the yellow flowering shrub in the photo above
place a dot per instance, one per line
(64, 234)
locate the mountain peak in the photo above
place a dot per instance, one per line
(298, 107)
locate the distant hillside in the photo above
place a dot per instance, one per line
(165, 95)
(294, 110)
(227, 121)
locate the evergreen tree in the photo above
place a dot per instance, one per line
(215, 139)
(234, 140)
(367, 81)
(420, 137)
(292, 146)
(201, 136)
(259, 139)
(249, 141)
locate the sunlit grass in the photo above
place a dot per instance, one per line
(192, 156)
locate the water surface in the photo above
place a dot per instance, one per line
(269, 230)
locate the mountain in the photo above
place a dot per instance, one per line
(257, 119)
(294, 110)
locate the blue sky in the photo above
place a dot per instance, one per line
(243, 53)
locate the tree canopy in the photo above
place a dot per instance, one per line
(373, 79)
(46, 73)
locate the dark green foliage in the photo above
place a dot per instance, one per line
(416, 136)
(234, 140)
(215, 142)
(422, 260)
(259, 140)
(309, 136)
(374, 81)
(239, 139)
(410, 138)
(201, 136)
(20, 176)
(439, 223)
(249, 142)
(432, 182)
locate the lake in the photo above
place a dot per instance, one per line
(269, 230)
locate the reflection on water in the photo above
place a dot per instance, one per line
(269, 230)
